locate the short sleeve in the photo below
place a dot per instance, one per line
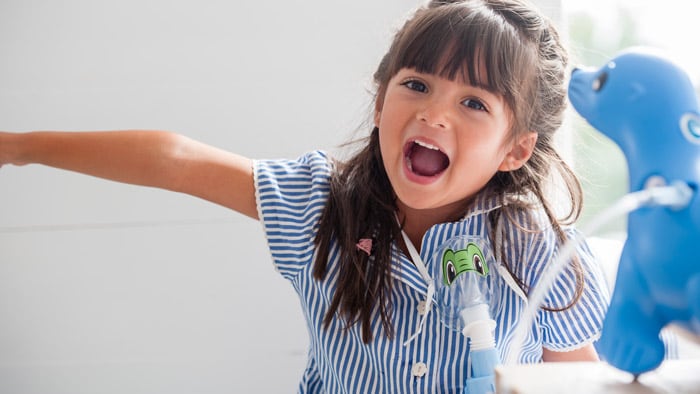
(291, 195)
(582, 322)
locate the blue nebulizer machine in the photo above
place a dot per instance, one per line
(646, 104)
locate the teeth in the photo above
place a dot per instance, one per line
(426, 145)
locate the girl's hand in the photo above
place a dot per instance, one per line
(586, 353)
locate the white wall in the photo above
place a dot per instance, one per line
(110, 288)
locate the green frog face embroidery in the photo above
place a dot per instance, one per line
(469, 259)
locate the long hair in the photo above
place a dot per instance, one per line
(525, 64)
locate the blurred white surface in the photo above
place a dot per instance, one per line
(672, 377)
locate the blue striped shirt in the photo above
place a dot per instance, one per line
(291, 195)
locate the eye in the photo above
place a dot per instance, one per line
(474, 104)
(600, 81)
(478, 264)
(418, 86)
(450, 272)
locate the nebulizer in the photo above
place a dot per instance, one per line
(464, 292)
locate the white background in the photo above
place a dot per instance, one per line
(110, 288)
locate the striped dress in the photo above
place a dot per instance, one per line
(291, 195)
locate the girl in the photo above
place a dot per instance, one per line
(468, 99)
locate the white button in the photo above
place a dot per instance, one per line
(422, 307)
(419, 369)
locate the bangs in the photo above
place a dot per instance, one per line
(476, 46)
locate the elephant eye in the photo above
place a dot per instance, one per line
(478, 264)
(600, 81)
(450, 272)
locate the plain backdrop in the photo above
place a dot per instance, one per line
(111, 288)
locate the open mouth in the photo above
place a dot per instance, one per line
(424, 159)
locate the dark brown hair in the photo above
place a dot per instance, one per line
(525, 64)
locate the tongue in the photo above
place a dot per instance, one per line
(427, 162)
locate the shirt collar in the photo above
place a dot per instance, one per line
(483, 203)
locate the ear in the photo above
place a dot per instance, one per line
(520, 152)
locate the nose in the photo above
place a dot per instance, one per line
(435, 114)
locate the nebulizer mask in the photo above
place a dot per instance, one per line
(463, 274)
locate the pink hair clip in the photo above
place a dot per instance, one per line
(365, 245)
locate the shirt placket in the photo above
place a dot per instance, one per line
(423, 362)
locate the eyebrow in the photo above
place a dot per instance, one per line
(487, 88)
(463, 78)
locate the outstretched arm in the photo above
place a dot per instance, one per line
(149, 158)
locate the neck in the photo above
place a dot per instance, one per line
(416, 222)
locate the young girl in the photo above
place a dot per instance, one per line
(468, 99)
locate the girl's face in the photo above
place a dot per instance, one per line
(441, 140)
